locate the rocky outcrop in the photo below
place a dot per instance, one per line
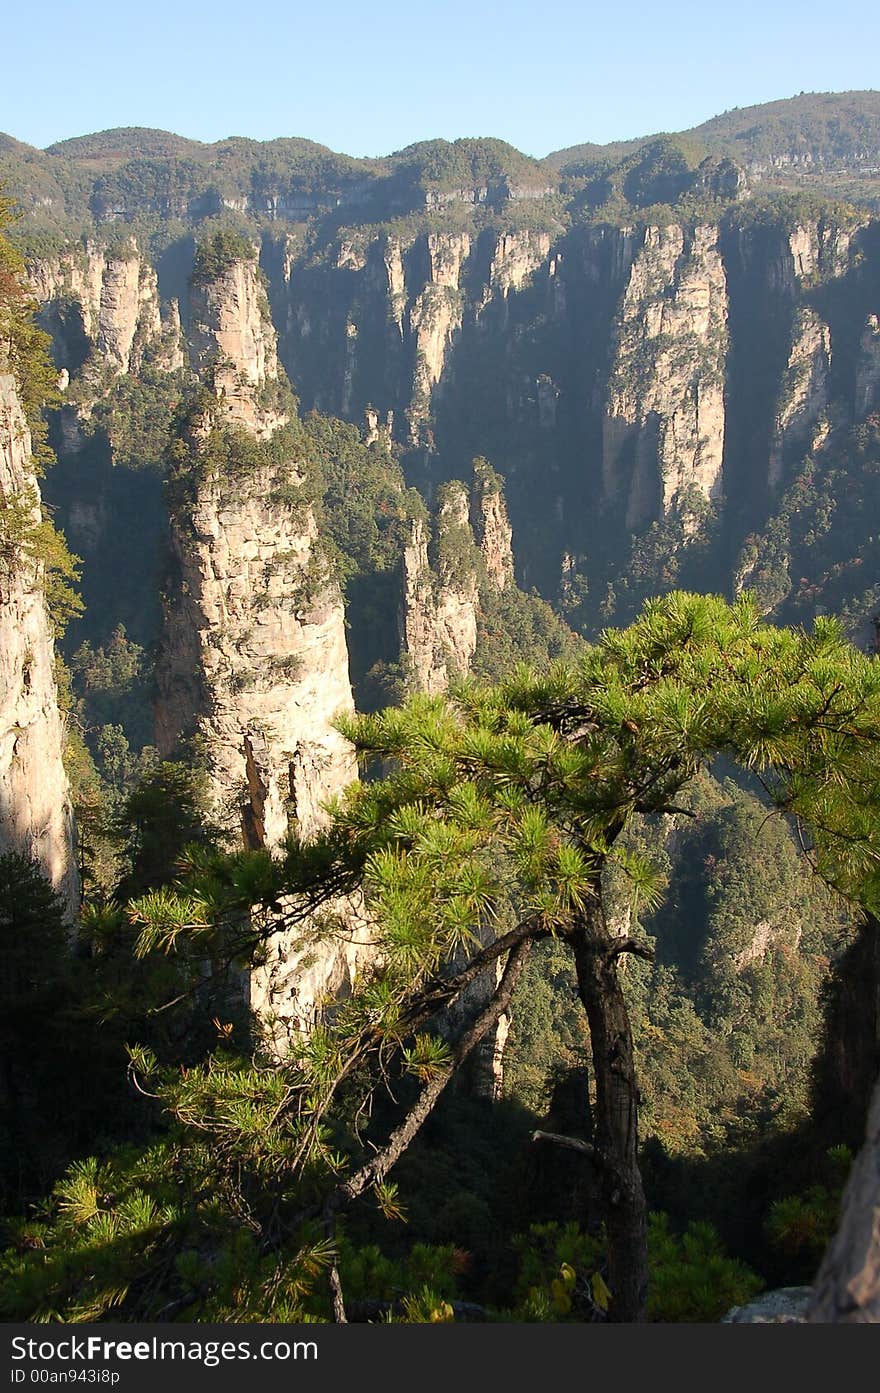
(868, 370)
(439, 611)
(392, 261)
(105, 301)
(803, 398)
(766, 937)
(399, 305)
(434, 318)
(35, 812)
(443, 577)
(491, 525)
(784, 1306)
(255, 647)
(233, 344)
(819, 250)
(847, 1287)
(515, 259)
(664, 419)
(254, 666)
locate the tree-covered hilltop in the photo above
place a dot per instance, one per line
(825, 130)
(827, 142)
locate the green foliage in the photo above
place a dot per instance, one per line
(365, 503)
(802, 1225)
(108, 681)
(818, 550)
(548, 1032)
(61, 1060)
(31, 549)
(205, 449)
(692, 1279)
(559, 1275)
(467, 163)
(137, 413)
(34, 554)
(498, 805)
(24, 348)
(163, 814)
(812, 139)
(453, 555)
(218, 253)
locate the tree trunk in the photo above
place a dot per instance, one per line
(616, 1116)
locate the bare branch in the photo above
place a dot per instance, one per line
(636, 946)
(586, 1148)
(339, 1315)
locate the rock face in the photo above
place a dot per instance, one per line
(443, 577)
(819, 249)
(399, 306)
(254, 662)
(256, 645)
(785, 1306)
(35, 812)
(847, 1287)
(622, 376)
(516, 258)
(765, 938)
(471, 552)
(491, 526)
(434, 318)
(664, 421)
(439, 615)
(868, 375)
(803, 397)
(105, 303)
(233, 343)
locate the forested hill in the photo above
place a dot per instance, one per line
(829, 142)
(815, 131)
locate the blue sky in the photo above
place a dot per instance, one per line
(369, 79)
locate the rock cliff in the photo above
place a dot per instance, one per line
(800, 423)
(383, 316)
(104, 309)
(232, 344)
(664, 418)
(444, 575)
(439, 614)
(868, 375)
(254, 665)
(35, 812)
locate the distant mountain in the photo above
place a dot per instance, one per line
(813, 131)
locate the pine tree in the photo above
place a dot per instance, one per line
(500, 813)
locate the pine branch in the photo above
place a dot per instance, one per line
(442, 990)
(378, 1167)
